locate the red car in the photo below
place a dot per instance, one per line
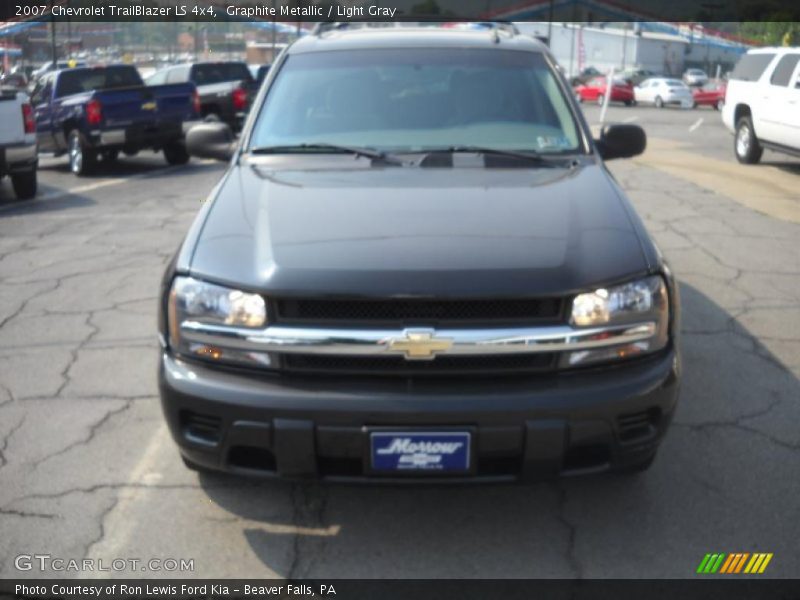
(711, 94)
(595, 90)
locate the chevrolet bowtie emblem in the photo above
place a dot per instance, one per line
(420, 344)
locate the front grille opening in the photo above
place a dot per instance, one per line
(499, 465)
(251, 457)
(411, 311)
(201, 429)
(588, 456)
(638, 426)
(340, 467)
(399, 366)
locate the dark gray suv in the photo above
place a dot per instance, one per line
(417, 267)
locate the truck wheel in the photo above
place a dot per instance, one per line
(24, 184)
(175, 153)
(748, 150)
(81, 159)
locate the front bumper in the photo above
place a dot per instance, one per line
(318, 427)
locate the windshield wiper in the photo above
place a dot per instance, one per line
(529, 156)
(324, 147)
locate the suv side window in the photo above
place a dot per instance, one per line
(751, 66)
(784, 69)
(158, 78)
(178, 75)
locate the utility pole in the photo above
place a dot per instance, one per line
(69, 34)
(624, 43)
(550, 26)
(710, 7)
(53, 40)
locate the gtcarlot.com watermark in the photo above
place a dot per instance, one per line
(50, 563)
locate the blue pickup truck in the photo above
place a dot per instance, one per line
(92, 114)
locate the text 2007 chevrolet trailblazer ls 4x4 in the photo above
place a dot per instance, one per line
(416, 268)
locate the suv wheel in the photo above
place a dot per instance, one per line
(24, 184)
(659, 102)
(746, 146)
(81, 159)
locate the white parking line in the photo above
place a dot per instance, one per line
(140, 477)
(59, 193)
(696, 124)
(630, 119)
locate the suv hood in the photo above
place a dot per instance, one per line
(417, 231)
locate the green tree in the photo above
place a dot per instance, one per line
(772, 33)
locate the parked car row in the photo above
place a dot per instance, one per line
(92, 114)
(658, 91)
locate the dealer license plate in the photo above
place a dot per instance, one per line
(445, 451)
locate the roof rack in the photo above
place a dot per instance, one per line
(495, 26)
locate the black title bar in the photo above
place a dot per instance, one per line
(705, 587)
(401, 10)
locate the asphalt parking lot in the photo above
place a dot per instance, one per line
(88, 469)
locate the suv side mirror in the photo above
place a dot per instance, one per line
(621, 141)
(211, 140)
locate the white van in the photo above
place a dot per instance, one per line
(762, 103)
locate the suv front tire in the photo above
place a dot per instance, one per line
(745, 144)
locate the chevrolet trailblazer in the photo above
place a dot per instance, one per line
(417, 267)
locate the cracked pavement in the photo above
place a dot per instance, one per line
(87, 468)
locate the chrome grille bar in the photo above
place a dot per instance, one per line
(447, 341)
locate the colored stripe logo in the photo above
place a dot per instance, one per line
(737, 562)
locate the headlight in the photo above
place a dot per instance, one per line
(191, 300)
(641, 301)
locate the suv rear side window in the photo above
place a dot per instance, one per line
(751, 67)
(158, 78)
(178, 75)
(207, 73)
(784, 69)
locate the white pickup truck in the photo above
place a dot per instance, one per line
(18, 157)
(762, 103)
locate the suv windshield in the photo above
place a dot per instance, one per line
(412, 100)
